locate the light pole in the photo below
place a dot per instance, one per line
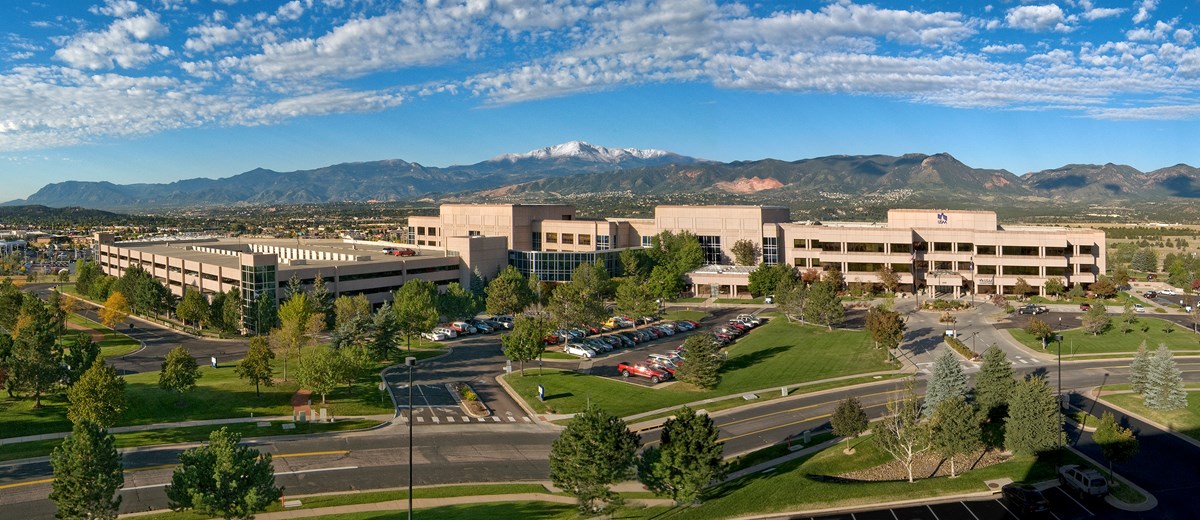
(1060, 398)
(411, 362)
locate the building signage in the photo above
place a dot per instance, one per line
(985, 281)
(943, 218)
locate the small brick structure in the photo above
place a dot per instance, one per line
(302, 402)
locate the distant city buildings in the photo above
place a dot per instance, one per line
(953, 251)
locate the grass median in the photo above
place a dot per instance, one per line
(1078, 342)
(774, 355)
(112, 343)
(24, 450)
(1185, 420)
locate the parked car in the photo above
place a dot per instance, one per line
(598, 345)
(552, 339)
(462, 327)
(507, 321)
(1137, 307)
(482, 326)
(1085, 306)
(663, 365)
(643, 370)
(435, 336)
(769, 299)
(576, 349)
(1032, 309)
(1083, 481)
(1168, 292)
(749, 318)
(1150, 294)
(1024, 499)
(449, 332)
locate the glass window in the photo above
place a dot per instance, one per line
(421, 230)
(835, 247)
(585, 240)
(770, 250)
(1019, 250)
(800, 262)
(863, 267)
(943, 247)
(537, 241)
(551, 238)
(1056, 251)
(568, 238)
(799, 243)
(901, 248)
(985, 269)
(863, 247)
(1056, 271)
(985, 250)
(603, 242)
(1021, 270)
(712, 248)
(966, 247)
(647, 241)
(1085, 250)
(472, 233)
(902, 268)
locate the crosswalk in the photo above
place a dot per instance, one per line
(446, 416)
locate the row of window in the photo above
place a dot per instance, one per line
(567, 238)
(939, 247)
(1011, 270)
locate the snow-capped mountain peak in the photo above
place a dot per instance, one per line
(584, 151)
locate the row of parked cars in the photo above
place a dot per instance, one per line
(472, 326)
(661, 367)
(588, 347)
(589, 329)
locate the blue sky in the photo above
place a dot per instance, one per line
(160, 90)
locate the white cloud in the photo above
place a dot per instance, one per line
(1037, 18)
(116, 8)
(208, 37)
(121, 45)
(1102, 12)
(1183, 36)
(1145, 7)
(1157, 33)
(997, 49)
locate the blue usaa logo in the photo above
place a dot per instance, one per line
(942, 218)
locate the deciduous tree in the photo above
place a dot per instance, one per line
(87, 474)
(902, 433)
(223, 478)
(509, 293)
(1104, 287)
(414, 309)
(1117, 443)
(1039, 329)
(888, 278)
(595, 451)
(456, 303)
(687, 459)
(1022, 287)
(256, 366)
(298, 324)
(193, 308)
(1054, 287)
(1096, 319)
(790, 298)
(766, 279)
(849, 420)
(115, 310)
(322, 372)
(745, 252)
(179, 372)
(886, 327)
(98, 397)
(526, 341)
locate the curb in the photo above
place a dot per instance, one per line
(1146, 505)
(1151, 422)
(521, 402)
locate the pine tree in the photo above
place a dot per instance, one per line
(223, 478)
(322, 300)
(702, 366)
(948, 382)
(1139, 369)
(231, 310)
(1033, 420)
(87, 474)
(995, 382)
(98, 397)
(848, 420)
(1096, 319)
(1117, 443)
(823, 306)
(1164, 382)
(687, 459)
(595, 451)
(955, 430)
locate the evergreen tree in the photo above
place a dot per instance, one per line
(954, 430)
(995, 382)
(216, 313)
(1146, 260)
(687, 459)
(849, 420)
(595, 451)
(256, 366)
(98, 397)
(223, 478)
(1128, 317)
(322, 300)
(526, 341)
(1164, 382)
(87, 474)
(383, 325)
(414, 310)
(947, 382)
(508, 293)
(823, 306)
(1033, 420)
(179, 372)
(902, 433)
(703, 364)
(1139, 369)
(35, 367)
(231, 311)
(79, 358)
(1117, 443)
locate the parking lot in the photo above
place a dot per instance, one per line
(1062, 507)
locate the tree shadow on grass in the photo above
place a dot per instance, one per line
(751, 359)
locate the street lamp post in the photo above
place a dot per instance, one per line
(410, 362)
(1060, 398)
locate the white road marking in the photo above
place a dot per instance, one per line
(318, 470)
(420, 419)
(437, 420)
(964, 504)
(481, 419)
(527, 419)
(403, 418)
(449, 419)
(466, 419)
(164, 484)
(512, 419)
(1060, 489)
(1014, 515)
(930, 508)
(496, 419)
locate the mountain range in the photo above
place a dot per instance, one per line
(577, 168)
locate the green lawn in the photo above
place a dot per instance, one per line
(689, 300)
(748, 301)
(1185, 421)
(1115, 341)
(114, 343)
(685, 315)
(189, 434)
(219, 394)
(776, 354)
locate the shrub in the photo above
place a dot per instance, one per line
(467, 394)
(959, 347)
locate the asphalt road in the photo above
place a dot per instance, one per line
(157, 341)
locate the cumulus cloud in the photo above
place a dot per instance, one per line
(122, 44)
(1145, 7)
(1037, 18)
(997, 49)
